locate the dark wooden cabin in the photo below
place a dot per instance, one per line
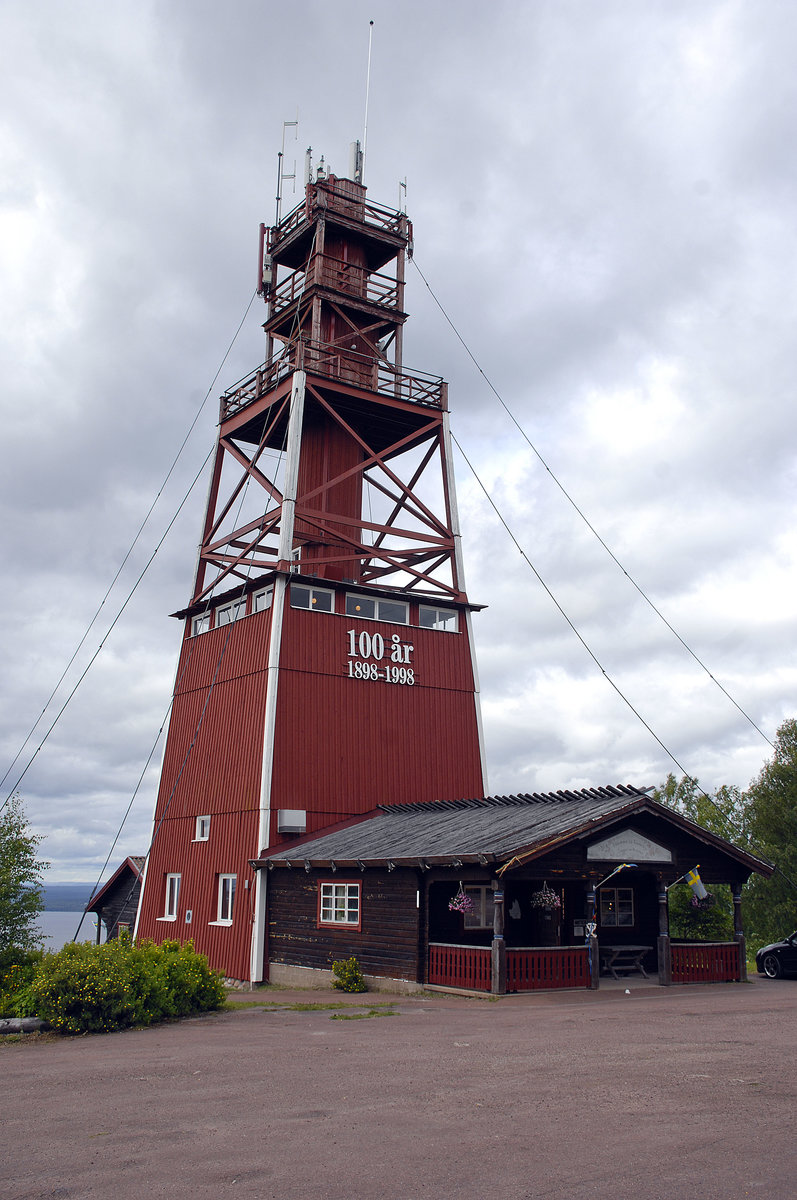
(534, 870)
(116, 902)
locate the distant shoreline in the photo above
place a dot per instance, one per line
(66, 897)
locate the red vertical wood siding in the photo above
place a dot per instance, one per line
(371, 742)
(218, 776)
(199, 864)
(327, 452)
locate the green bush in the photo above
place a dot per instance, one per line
(348, 976)
(86, 988)
(17, 970)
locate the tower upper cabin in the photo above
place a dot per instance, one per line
(332, 275)
(341, 299)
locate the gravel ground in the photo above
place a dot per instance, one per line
(654, 1093)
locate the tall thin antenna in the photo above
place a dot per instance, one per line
(367, 94)
(281, 177)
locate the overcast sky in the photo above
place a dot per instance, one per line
(604, 202)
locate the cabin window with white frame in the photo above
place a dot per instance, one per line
(481, 916)
(172, 896)
(438, 618)
(296, 557)
(312, 598)
(200, 624)
(262, 600)
(226, 899)
(230, 612)
(202, 829)
(617, 907)
(374, 608)
(339, 904)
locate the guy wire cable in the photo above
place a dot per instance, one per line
(130, 549)
(583, 516)
(191, 650)
(726, 819)
(171, 701)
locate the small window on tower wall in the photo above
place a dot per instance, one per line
(376, 609)
(202, 829)
(200, 624)
(230, 612)
(226, 899)
(172, 896)
(262, 600)
(438, 618)
(339, 904)
(316, 599)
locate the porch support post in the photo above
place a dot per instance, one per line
(738, 931)
(498, 950)
(663, 943)
(593, 951)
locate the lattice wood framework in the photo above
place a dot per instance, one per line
(373, 494)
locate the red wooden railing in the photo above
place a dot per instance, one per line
(528, 968)
(460, 966)
(532, 968)
(706, 962)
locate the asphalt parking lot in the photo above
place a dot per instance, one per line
(658, 1093)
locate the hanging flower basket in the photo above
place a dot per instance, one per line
(707, 901)
(545, 898)
(462, 902)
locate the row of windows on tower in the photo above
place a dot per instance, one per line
(225, 899)
(225, 886)
(318, 599)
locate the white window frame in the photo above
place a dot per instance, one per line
(266, 595)
(616, 903)
(230, 612)
(171, 897)
(339, 904)
(315, 595)
(200, 624)
(202, 831)
(440, 618)
(225, 905)
(378, 614)
(483, 907)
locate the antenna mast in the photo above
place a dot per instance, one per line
(280, 176)
(367, 94)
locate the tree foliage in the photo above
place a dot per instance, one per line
(771, 818)
(761, 820)
(722, 814)
(21, 898)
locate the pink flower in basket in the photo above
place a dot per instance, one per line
(461, 903)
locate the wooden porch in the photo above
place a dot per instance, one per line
(528, 968)
(543, 968)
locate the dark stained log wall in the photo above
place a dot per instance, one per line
(387, 943)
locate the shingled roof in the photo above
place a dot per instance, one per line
(494, 829)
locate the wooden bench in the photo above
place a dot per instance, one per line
(623, 958)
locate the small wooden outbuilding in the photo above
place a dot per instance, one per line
(116, 903)
(556, 886)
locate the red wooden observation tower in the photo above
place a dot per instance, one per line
(327, 663)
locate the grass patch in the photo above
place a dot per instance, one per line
(385, 1009)
(361, 1016)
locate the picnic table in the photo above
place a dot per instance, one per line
(623, 958)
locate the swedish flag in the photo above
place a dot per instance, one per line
(696, 883)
